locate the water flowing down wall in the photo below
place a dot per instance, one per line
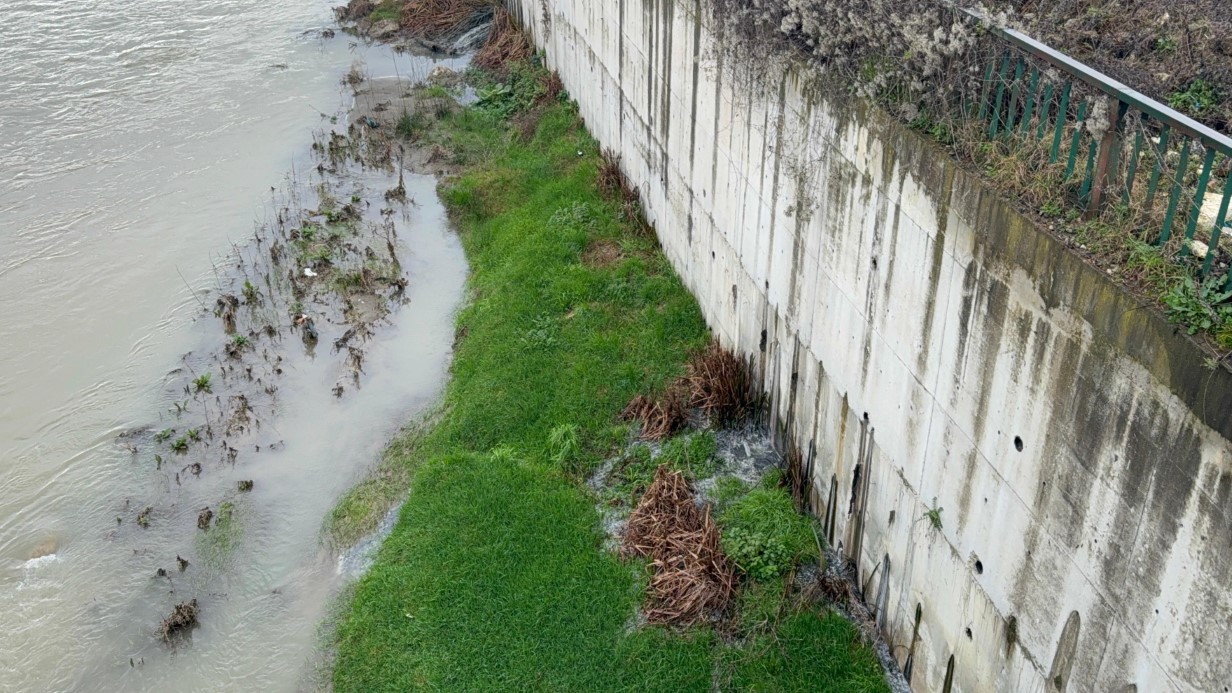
(938, 360)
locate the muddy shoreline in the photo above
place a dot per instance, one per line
(316, 283)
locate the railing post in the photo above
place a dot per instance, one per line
(1109, 158)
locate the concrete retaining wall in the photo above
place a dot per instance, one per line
(928, 348)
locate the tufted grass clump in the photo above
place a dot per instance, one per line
(764, 535)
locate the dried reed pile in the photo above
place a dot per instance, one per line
(660, 417)
(445, 19)
(692, 579)
(506, 43)
(717, 382)
(721, 385)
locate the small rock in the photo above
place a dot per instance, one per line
(245, 486)
(1209, 214)
(203, 519)
(1199, 249)
(46, 547)
(442, 76)
(355, 10)
(182, 563)
(383, 29)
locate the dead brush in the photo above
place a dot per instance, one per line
(506, 43)
(526, 123)
(721, 385)
(795, 478)
(659, 417)
(611, 180)
(553, 87)
(615, 186)
(692, 578)
(445, 18)
(183, 618)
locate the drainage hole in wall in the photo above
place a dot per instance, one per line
(891, 517)
(979, 568)
(874, 263)
(712, 255)
(1018, 443)
(969, 634)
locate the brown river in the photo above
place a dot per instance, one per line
(141, 143)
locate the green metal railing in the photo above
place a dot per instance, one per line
(1139, 155)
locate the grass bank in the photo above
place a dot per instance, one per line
(496, 576)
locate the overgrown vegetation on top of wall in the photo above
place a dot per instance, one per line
(927, 62)
(1178, 52)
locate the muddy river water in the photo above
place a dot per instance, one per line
(141, 143)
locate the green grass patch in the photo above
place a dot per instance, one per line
(495, 576)
(692, 454)
(764, 535)
(497, 583)
(807, 651)
(387, 9)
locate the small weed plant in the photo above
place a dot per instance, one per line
(564, 444)
(933, 516)
(411, 125)
(764, 535)
(1199, 307)
(202, 383)
(1198, 98)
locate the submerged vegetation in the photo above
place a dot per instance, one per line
(218, 543)
(497, 574)
(317, 279)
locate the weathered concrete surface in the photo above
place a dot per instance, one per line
(927, 347)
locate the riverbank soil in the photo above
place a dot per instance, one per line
(499, 574)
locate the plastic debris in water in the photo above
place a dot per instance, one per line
(310, 329)
(309, 273)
